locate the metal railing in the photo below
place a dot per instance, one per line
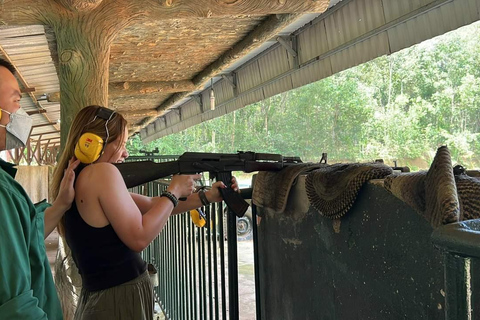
(197, 268)
(460, 243)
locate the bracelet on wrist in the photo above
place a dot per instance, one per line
(170, 196)
(203, 198)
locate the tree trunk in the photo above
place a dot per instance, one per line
(83, 42)
(233, 126)
(83, 71)
(390, 84)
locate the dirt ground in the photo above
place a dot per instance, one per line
(51, 244)
(246, 280)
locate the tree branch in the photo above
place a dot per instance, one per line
(269, 29)
(79, 5)
(26, 12)
(171, 9)
(136, 88)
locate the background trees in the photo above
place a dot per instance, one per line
(398, 107)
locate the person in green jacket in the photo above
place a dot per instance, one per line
(27, 290)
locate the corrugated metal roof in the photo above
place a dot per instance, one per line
(27, 49)
(429, 20)
(347, 34)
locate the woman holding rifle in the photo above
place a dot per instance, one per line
(107, 226)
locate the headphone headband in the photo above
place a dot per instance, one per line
(105, 113)
(91, 146)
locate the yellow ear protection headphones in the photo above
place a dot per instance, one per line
(90, 146)
(198, 217)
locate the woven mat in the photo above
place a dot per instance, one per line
(441, 200)
(433, 193)
(271, 189)
(408, 187)
(468, 189)
(332, 189)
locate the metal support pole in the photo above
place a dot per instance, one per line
(232, 265)
(461, 245)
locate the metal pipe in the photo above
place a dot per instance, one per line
(232, 265)
(256, 260)
(215, 262)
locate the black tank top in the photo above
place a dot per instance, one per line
(102, 259)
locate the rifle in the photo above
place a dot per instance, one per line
(219, 165)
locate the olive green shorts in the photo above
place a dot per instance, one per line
(132, 300)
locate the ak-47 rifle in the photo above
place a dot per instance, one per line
(219, 165)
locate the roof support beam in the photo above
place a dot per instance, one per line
(266, 31)
(26, 88)
(129, 88)
(44, 124)
(44, 133)
(231, 82)
(285, 43)
(137, 88)
(140, 113)
(39, 111)
(199, 101)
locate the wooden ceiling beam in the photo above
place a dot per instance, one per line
(44, 133)
(44, 124)
(79, 5)
(49, 141)
(137, 88)
(39, 111)
(27, 90)
(131, 88)
(140, 113)
(267, 30)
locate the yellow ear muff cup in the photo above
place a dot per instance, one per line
(197, 217)
(88, 148)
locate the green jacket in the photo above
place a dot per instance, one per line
(27, 290)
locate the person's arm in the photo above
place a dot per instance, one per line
(213, 195)
(193, 201)
(64, 199)
(134, 229)
(16, 295)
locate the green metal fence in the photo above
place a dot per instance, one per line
(196, 267)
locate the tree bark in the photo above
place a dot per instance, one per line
(79, 5)
(83, 42)
(24, 12)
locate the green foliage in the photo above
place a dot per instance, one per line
(399, 107)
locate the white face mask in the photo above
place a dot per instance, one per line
(18, 129)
